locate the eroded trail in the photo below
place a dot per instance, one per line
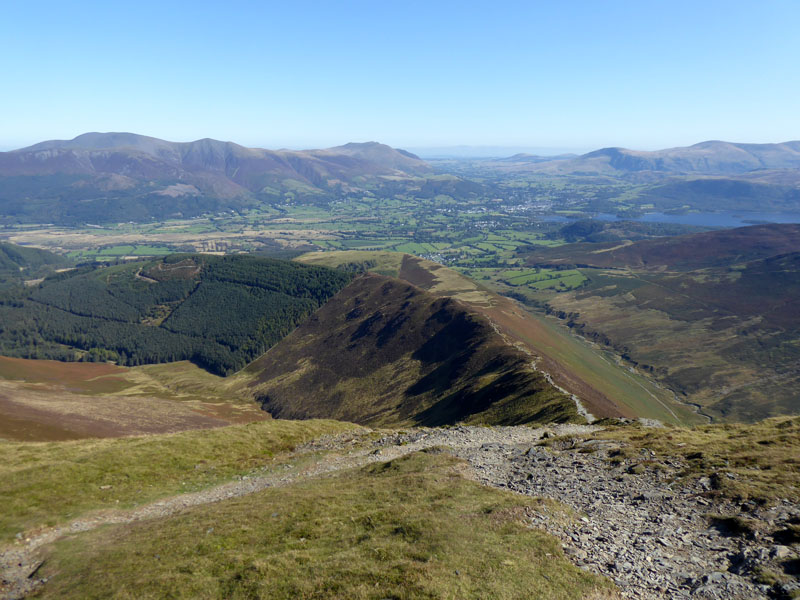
(652, 538)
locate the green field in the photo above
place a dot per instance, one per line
(121, 250)
(543, 278)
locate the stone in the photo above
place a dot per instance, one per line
(780, 552)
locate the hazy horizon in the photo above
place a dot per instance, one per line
(440, 151)
(429, 152)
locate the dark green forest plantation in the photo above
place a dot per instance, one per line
(218, 312)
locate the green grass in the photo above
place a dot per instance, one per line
(415, 248)
(567, 280)
(600, 370)
(48, 483)
(123, 250)
(409, 528)
(385, 263)
(543, 278)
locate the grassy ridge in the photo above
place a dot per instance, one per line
(48, 483)
(598, 373)
(383, 352)
(409, 528)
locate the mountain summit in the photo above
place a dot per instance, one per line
(91, 153)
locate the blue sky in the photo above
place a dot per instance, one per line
(567, 75)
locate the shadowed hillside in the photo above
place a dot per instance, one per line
(385, 352)
(721, 249)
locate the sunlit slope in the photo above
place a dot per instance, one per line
(605, 387)
(44, 400)
(414, 527)
(46, 484)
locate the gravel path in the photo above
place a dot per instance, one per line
(655, 540)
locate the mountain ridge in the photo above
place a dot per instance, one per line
(707, 157)
(127, 176)
(188, 152)
(385, 352)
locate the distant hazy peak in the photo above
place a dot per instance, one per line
(156, 146)
(100, 141)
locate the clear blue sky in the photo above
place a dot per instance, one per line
(573, 75)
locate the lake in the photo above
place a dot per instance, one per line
(711, 219)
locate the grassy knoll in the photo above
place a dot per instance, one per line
(179, 380)
(423, 273)
(759, 461)
(186, 381)
(383, 263)
(48, 483)
(409, 528)
(44, 400)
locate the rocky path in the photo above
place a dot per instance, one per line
(654, 539)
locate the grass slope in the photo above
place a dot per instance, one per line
(409, 528)
(45, 400)
(385, 352)
(44, 484)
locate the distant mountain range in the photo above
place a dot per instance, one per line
(114, 177)
(224, 168)
(129, 176)
(707, 158)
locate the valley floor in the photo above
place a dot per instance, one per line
(627, 518)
